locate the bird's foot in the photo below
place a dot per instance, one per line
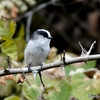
(29, 68)
(41, 66)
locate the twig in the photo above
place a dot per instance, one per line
(23, 74)
(41, 80)
(39, 7)
(92, 46)
(28, 24)
(85, 52)
(51, 65)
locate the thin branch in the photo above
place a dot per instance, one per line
(28, 24)
(39, 7)
(92, 46)
(50, 65)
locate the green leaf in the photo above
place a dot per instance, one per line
(12, 98)
(90, 64)
(3, 25)
(83, 87)
(31, 92)
(21, 43)
(21, 46)
(9, 47)
(21, 31)
(12, 28)
(7, 29)
(11, 87)
(62, 91)
(69, 68)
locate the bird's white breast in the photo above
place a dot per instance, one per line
(36, 52)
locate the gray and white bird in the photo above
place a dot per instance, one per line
(38, 48)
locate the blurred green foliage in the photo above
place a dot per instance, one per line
(90, 64)
(12, 98)
(20, 42)
(78, 86)
(7, 30)
(10, 88)
(82, 87)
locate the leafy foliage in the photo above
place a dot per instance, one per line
(12, 98)
(90, 64)
(32, 92)
(7, 30)
(62, 91)
(83, 87)
(8, 88)
(20, 42)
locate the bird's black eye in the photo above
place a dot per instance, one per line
(43, 33)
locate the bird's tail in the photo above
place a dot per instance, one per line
(34, 74)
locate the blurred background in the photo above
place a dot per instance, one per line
(69, 21)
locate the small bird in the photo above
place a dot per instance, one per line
(38, 48)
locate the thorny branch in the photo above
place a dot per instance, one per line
(83, 58)
(50, 65)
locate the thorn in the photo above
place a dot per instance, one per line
(61, 57)
(84, 51)
(85, 62)
(91, 47)
(64, 58)
(6, 70)
(8, 61)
